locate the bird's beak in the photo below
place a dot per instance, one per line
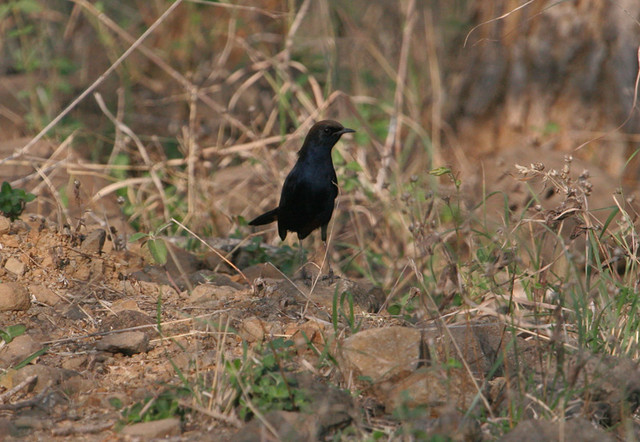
(346, 131)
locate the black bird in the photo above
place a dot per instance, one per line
(310, 189)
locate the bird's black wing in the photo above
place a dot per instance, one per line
(290, 200)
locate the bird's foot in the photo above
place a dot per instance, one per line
(330, 276)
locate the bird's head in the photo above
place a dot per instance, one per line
(326, 133)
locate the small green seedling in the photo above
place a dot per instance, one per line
(12, 201)
(157, 246)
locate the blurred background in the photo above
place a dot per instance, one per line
(202, 120)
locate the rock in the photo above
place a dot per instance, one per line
(153, 430)
(534, 430)
(13, 296)
(94, 242)
(74, 313)
(44, 294)
(18, 350)
(451, 425)
(611, 386)
(390, 358)
(211, 292)
(289, 426)
(252, 329)
(381, 353)
(213, 261)
(121, 305)
(432, 386)
(263, 270)
(5, 225)
(15, 266)
(81, 269)
(45, 376)
(148, 288)
(332, 408)
(75, 362)
(181, 261)
(128, 343)
(282, 292)
(310, 331)
(127, 319)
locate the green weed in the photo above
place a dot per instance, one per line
(13, 201)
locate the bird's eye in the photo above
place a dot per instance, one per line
(327, 130)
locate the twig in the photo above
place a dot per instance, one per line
(34, 401)
(231, 420)
(220, 255)
(6, 395)
(82, 429)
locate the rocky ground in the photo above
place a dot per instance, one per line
(116, 348)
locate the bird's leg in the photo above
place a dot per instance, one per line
(323, 234)
(300, 252)
(303, 267)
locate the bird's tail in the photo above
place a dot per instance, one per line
(265, 218)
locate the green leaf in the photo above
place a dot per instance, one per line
(31, 357)
(15, 330)
(439, 171)
(115, 403)
(158, 250)
(136, 236)
(394, 309)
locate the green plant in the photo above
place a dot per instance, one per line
(156, 245)
(284, 258)
(11, 332)
(262, 384)
(12, 201)
(152, 408)
(338, 311)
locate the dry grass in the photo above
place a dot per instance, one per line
(201, 117)
(395, 223)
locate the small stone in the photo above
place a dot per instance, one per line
(263, 270)
(121, 305)
(15, 266)
(252, 330)
(74, 313)
(46, 376)
(5, 225)
(44, 294)
(75, 362)
(382, 353)
(18, 350)
(154, 430)
(432, 388)
(211, 292)
(13, 296)
(128, 343)
(82, 270)
(94, 242)
(310, 331)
